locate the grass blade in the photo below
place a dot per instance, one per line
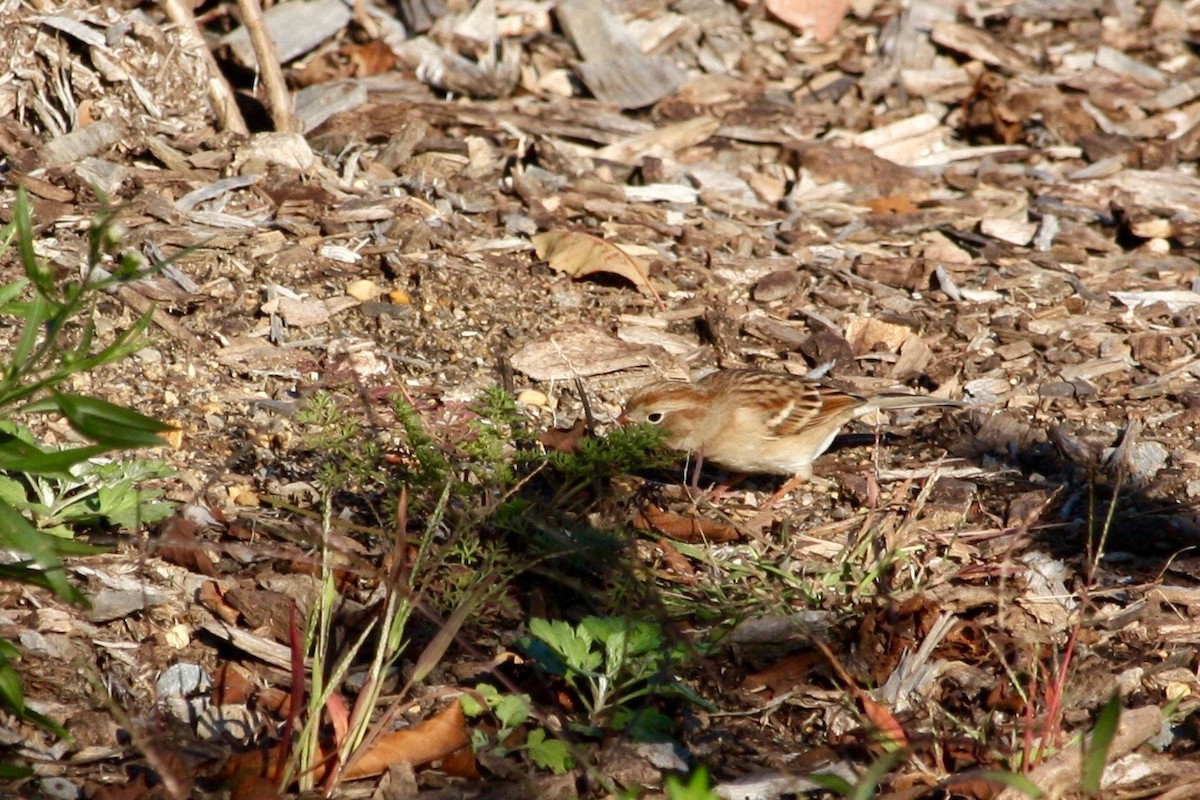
(1095, 757)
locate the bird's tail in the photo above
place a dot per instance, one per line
(887, 400)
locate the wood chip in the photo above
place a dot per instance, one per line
(295, 27)
(82, 142)
(613, 67)
(576, 351)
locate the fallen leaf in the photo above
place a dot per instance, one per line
(253, 787)
(976, 788)
(682, 528)
(339, 717)
(676, 562)
(461, 764)
(257, 762)
(371, 58)
(437, 737)
(581, 254)
(210, 596)
(1175, 300)
(179, 546)
(136, 789)
(784, 674)
(231, 684)
(564, 440)
(885, 724)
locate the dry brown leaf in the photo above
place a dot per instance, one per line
(867, 333)
(253, 787)
(973, 787)
(180, 546)
(461, 764)
(259, 762)
(783, 675)
(436, 737)
(564, 440)
(136, 789)
(577, 350)
(339, 717)
(885, 724)
(231, 684)
(683, 528)
(372, 58)
(352, 60)
(581, 254)
(211, 597)
(676, 562)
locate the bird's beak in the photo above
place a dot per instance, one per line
(623, 419)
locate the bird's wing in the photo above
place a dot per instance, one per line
(787, 404)
(814, 407)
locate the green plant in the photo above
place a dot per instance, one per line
(58, 489)
(1095, 757)
(501, 439)
(13, 700)
(488, 475)
(384, 637)
(511, 712)
(698, 787)
(609, 662)
(347, 457)
(427, 464)
(85, 494)
(443, 567)
(626, 449)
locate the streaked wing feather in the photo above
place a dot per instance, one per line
(804, 404)
(818, 405)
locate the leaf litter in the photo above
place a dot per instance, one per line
(994, 203)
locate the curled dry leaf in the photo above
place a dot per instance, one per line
(683, 528)
(564, 440)
(679, 567)
(581, 254)
(783, 675)
(886, 726)
(435, 738)
(180, 546)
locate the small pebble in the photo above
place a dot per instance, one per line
(243, 496)
(182, 680)
(363, 290)
(60, 789)
(532, 397)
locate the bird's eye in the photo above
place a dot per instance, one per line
(655, 417)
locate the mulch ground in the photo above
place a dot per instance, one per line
(996, 203)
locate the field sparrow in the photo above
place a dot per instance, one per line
(749, 420)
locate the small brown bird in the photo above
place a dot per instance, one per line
(756, 421)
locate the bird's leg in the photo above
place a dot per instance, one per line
(788, 485)
(717, 491)
(763, 517)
